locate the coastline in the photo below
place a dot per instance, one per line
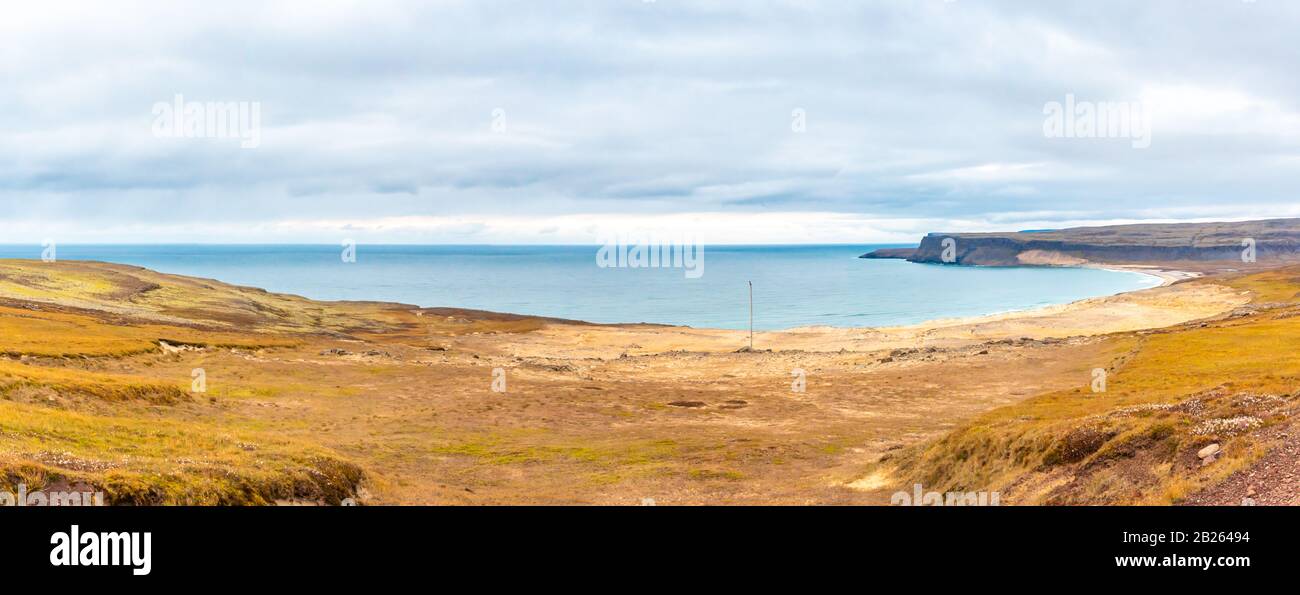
(1168, 304)
(794, 287)
(1166, 276)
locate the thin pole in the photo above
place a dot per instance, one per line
(751, 315)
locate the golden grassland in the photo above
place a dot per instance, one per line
(59, 334)
(76, 408)
(1174, 391)
(96, 370)
(315, 402)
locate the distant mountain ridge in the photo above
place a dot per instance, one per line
(1271, 239)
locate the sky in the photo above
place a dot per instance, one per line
(754, 121)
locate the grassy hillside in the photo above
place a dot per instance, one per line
(81, 402)
(1233, 382)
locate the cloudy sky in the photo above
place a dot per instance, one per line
(503, 121)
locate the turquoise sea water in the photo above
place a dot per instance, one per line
(793, 285)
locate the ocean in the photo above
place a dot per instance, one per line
(793, 285)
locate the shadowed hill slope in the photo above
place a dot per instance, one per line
(1228, 386)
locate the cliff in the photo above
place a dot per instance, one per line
(1273, 240)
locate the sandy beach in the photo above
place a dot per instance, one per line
(1166, 276)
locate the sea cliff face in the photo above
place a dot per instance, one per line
(1001, 251)
(1277, 239)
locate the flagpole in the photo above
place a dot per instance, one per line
(751, 315)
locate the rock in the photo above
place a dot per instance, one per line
(903, 253)
(1209, 451)
(1250, 492)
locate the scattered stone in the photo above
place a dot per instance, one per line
(336, 351)
(1231, 426)
(176, 347)
(1209, 451)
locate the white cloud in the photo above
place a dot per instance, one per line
(918, 114)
